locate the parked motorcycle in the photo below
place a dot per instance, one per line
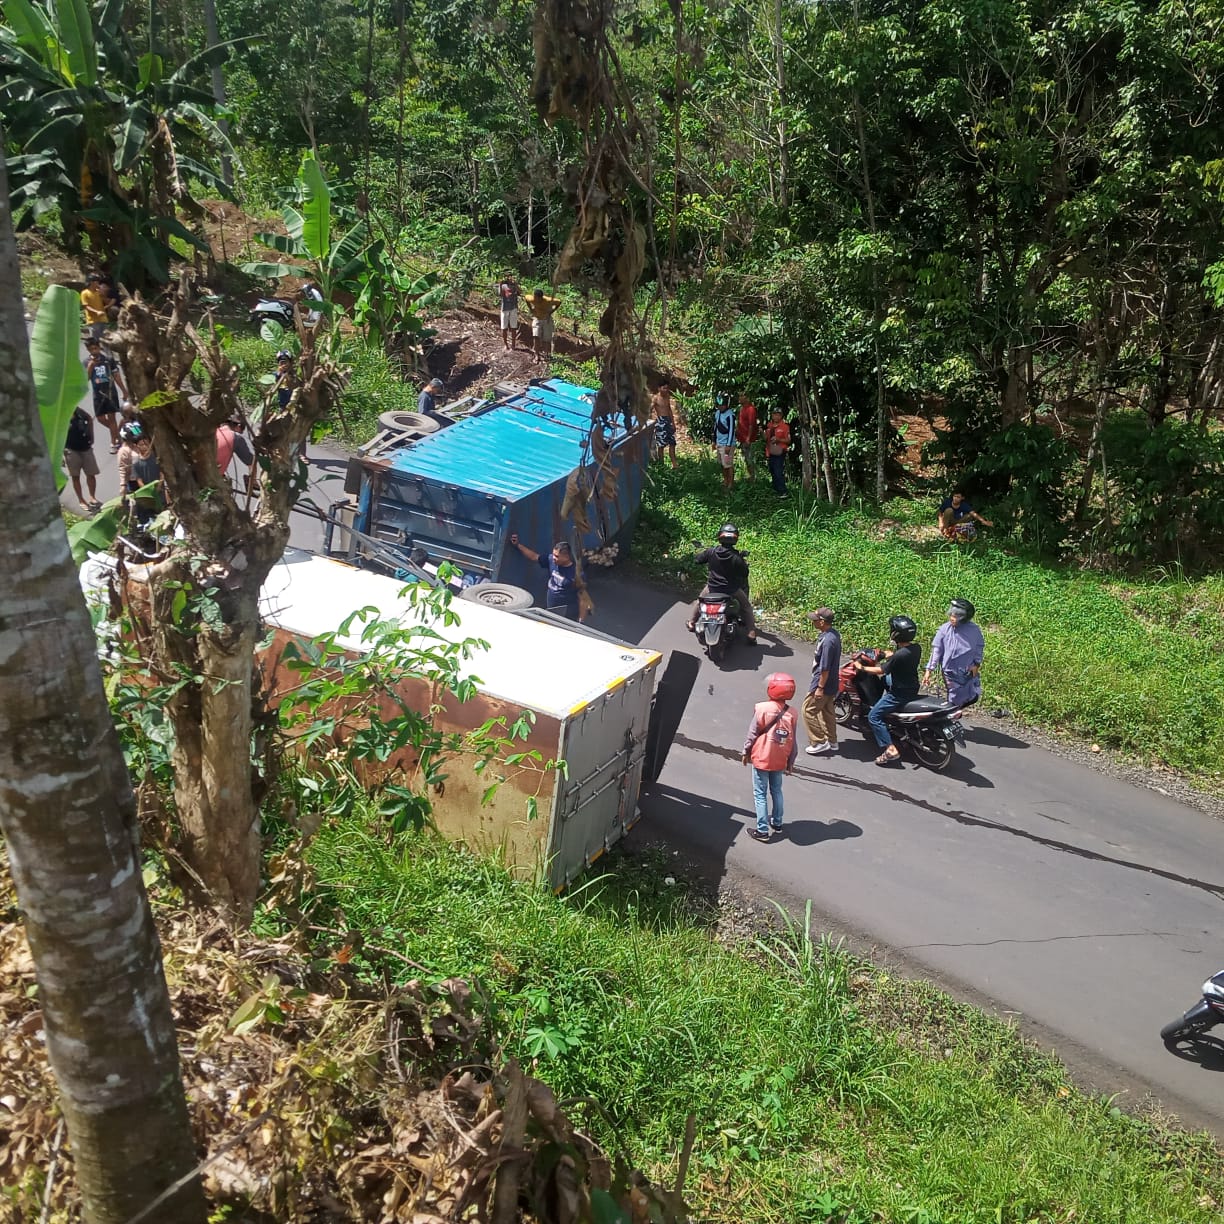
(272, 310)
(1204, 1015)
(929, 727)
(280, 310)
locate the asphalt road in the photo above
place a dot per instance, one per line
(1084, 908)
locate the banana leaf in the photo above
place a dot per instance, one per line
(59, 377)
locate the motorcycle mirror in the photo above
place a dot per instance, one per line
(696, 543)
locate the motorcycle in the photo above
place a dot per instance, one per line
(280, 312)
(929, 727)
(272, 310)
(718, 622)
(1204, 1015)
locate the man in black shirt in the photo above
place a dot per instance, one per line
(726, 577)
(900, 672)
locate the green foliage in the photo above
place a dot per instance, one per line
(101, 131)
(1166, 490)
(822, 1090)
(59, 377)
(1025, 471)
(1135, 665)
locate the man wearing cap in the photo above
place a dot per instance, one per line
(818, 715)
(427, 402)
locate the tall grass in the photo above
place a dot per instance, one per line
(822, 1089)
(1137, 664)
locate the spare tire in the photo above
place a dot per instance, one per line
(498, 595)
(409, 422)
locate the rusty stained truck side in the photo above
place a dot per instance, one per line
(591, 698)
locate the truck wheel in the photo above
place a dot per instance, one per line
(408, 422)
(498, 595)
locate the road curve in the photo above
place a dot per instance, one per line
(1085, 908)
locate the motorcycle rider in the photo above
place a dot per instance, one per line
(957, 651)
(726, 577)
(900, 671)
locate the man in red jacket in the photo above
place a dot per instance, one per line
(770, 749)
(747, 432)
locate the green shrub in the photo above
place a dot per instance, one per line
(821, 1089)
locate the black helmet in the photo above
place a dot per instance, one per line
(962, 609)
(902, 629)
(133, 431)
(728, 533)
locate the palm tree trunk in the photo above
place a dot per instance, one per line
(68, 818)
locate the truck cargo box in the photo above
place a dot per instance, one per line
(591, 698)
(460, 493)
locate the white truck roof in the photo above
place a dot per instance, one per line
(529, 663)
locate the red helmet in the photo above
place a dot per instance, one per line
(780, 686)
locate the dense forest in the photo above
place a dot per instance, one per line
(1005, 216)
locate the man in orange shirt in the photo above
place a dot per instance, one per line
(777, 442)
(747, 432)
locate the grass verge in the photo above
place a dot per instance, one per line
(823, 1090)
(1136, 664)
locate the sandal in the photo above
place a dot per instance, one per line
(886, 758)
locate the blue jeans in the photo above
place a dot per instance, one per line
(875, 716)
(777, 472)
(763, 781)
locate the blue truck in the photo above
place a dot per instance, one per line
(516, 465)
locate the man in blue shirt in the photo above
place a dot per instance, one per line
(818, 715)
(724, 437)
(564, 585)
(427, 403)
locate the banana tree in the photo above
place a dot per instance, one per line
(94, 121)
(331, 263)
(386, 300)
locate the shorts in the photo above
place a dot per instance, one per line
(77, 463)
(726, 455)
(106, 407)
(95, 331)
(665, 431)
(509, 318)
(543, 329)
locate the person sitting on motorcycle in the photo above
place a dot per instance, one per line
(726, 577)
(957, 651)
(900, 671)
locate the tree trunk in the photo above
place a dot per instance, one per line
(205, 595)
(212, 36)
(68, 818)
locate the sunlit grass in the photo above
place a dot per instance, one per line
(822, 1089)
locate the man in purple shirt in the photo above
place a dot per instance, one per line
(818, 715)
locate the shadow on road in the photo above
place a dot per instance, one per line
(1206, 1051)
(630, 611)
(813, 832)
(992, 738)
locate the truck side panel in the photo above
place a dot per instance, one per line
(501, 824)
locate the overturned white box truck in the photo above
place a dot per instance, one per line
(590, 695)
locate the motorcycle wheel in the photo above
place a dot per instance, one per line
(843, 709)
(931, 752)
(1194, 1023)
(717, 650)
